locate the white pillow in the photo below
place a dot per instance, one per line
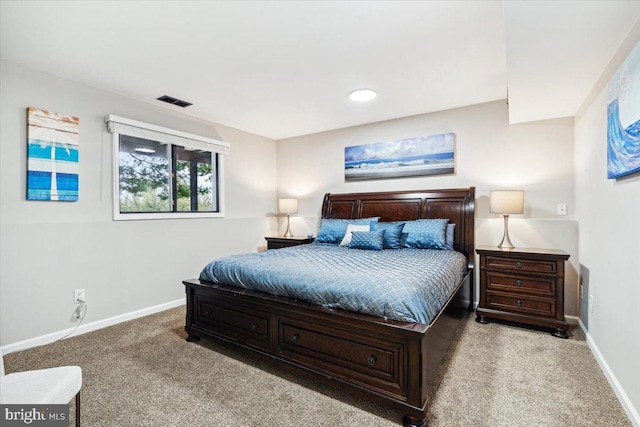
(347, 236)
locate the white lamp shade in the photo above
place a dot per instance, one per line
(288, 206)
(507, 202)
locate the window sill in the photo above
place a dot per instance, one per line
(168, 215)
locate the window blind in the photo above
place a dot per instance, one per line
(164, 135)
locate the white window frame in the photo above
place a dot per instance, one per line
(120, 125)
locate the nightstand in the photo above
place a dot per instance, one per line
(523, 285)
(285, 242)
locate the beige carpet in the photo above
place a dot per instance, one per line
(138, 373)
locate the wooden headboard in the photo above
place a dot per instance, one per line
(458, 205)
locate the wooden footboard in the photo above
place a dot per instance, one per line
(390, 362)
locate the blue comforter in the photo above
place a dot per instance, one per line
(410, 285)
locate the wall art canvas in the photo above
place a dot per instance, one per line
(424, 155)
(52, 156)
(623, 114)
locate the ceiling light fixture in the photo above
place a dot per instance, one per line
(362, 95)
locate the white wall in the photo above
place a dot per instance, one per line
(490, 154)
(47, 249)
(609, 217)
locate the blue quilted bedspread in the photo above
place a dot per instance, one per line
(410, 285)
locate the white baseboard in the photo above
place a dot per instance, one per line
(632, 413)
(83, 329)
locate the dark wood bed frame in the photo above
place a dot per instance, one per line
(386, 361)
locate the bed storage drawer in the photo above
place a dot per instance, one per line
(341, 353)
(221, 317)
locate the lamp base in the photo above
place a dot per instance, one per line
(505, 243)
(288, 233)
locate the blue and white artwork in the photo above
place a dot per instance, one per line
(623, 113)
(52, 156)
(423, 155)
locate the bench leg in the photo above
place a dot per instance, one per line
(78, 409)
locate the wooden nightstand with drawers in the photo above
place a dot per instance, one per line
(285, 242)
(523, 285)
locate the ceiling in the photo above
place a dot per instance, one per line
(283, 69)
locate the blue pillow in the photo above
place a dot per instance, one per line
(333, 230)
(370, 240)
(449, 237)
(426, 233)
(392, 233)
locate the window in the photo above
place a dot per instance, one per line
(163, 173)
(194, 189)
(144, 176)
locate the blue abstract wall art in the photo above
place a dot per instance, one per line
(52, 156)
(424, 155)
(623, 114)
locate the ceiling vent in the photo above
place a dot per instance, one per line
(174, 101)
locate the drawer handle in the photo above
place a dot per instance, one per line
(207, 312)
(519, 303)
(519, 264)
(519, 282)
(372, 360)
(254, 325)
(295, 338)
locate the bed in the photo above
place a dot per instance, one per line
(391, 362)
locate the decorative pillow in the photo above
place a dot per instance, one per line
(403, 239)
(333, 230)
(370, 240)
(449, 237)
(351, 228)
(392, 233)
(426, 233)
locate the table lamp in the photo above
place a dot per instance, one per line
(507, 202)
(288, 207)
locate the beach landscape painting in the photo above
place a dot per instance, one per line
(623, 118)
(423, 155)
(52, 156)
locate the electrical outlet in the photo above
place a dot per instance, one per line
(562, 209)
(591, 304)
(78, 296)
